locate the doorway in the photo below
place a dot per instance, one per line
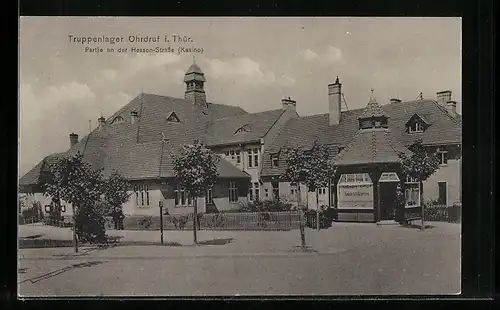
(387, 205)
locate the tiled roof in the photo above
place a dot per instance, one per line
(225, 131)
(373, 109)
(371, 146)
(141, 150)
(301, 132)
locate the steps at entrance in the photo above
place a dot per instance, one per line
(387, 222)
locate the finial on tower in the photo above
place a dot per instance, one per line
(194, 59)
(337, 80)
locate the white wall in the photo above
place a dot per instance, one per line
(449, 174)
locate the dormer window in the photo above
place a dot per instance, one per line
(417, 123)
(416, 127)
(118, 120)
(173, 118)
(275, 160)
(244, 128)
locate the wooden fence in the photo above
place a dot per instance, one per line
(214, 221)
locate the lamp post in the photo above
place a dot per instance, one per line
(160, 205)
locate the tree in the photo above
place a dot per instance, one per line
(320, 170)
(420, 165)
(296, 172)
(196, 171)
(74, 181)
(115, 195)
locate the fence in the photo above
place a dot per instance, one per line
(442, 213)
(214, 221)
(435, 213)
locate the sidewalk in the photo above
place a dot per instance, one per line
(179, 244)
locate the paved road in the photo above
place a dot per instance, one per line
(425, 264)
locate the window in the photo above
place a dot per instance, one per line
(416, 127)
(274, 160)
(233, 192)
(266, 192)
(141, 196)
(255, 191)
(340, 149)
(276, 189)
(182, 198)
(256, 157)
(253, 158)
(293, 188)
(226, 153)
(443, 158)
(232, 154)
(250, 159)
(322, 191)
(209, 197)
(442, 193)
(412, 192)
(355, 178)
(238, 157)
(389, 177)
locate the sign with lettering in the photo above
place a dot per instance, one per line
(355, 196)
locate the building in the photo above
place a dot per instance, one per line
(139, 139)
(354, 140)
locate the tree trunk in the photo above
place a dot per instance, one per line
(421, 205)
(301, 223)
(75, 239)
(195, 217)
(317, 209)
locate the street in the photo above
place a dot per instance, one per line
(389, 260)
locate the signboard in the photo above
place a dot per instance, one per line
(355, 196)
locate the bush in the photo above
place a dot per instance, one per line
(326, 217)
(434, 211)
(33, 214)
(179, 221)
(275, 205)
(90, 224)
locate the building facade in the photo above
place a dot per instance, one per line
(139, 140)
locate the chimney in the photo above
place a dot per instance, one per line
(133, 116)
(443, 97)
(395, 100)
(289, 104)
(334, 102)
(451, 107)
(73, 139)
(101, 121)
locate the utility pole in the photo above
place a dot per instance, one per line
(160, 204)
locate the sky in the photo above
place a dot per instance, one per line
(248, 62)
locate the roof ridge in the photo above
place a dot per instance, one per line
(374, 146)
(444, 111)
(272, 125)
(392, 142)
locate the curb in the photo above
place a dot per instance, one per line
(195, 256)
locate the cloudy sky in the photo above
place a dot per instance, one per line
(251, 62)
